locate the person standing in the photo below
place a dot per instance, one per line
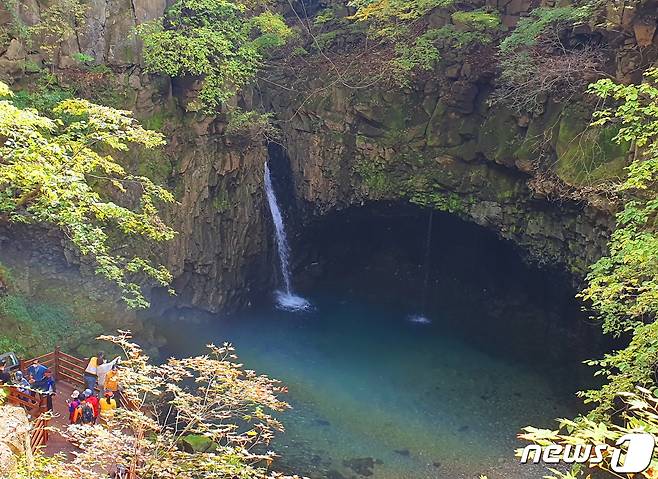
(91, 372)
(47, 387)
(102, 370)
(86, 416)
(5, 377)
(36, 371)
(112, 382)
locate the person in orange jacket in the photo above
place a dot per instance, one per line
(108, 404)
(112, 381)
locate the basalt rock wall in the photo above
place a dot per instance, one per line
(437, 143)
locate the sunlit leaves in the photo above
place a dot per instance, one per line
(223, 42)
(530, 28)
(50, 172)
(639, 413)
(623, 285)
(403, 25)
(206, 397)
(383, 12)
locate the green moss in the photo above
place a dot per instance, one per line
(156, 121)
(498, 137)
(438, 200)
(154, 164)
(587, 155)
(375, 178)
(394, 138)
(35, 327)
(424, 191)
(450, 129)
(6, 275)
(221, 202)
(542, 131)
(34, 322)
(42, 96)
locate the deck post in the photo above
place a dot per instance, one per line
(56, 365)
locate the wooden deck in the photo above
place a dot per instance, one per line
(68, 372)
(56, 443)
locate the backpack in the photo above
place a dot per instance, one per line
(87, 413)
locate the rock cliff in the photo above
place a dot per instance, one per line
(437, 143)
(14, 435)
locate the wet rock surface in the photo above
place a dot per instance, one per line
(363, 466)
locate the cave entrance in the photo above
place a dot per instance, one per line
(469, 280)
(377, 395)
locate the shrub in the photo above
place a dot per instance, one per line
(537, 60)
(541, 21)
(529, 78)
(222, 41)
(203, 416)
(59, 22)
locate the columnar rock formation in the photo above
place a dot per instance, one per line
(438, 143)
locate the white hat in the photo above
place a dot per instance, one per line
(75, 394)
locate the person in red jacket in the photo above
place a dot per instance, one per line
(93, 401)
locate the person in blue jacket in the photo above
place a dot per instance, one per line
(36, 371)
(47, 387)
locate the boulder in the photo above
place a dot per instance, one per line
(15, 51)
(14, 430)
(644, 29)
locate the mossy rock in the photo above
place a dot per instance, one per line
(221, 202)
(542, 132)
(499, 137)
(390, 113)
(448, 128)
(587, 155)
(153, 163)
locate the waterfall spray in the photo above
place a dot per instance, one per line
(286, 298)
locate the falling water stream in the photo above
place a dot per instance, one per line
(286, 298)
(422, 317)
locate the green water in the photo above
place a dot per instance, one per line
(377, 395)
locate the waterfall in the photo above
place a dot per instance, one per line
(286, 298)
(421, 318)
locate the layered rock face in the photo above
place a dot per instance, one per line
(437, 144)
(441, 150)
(14, 436)
(221, 252)
(219, 258)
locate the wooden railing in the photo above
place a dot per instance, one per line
(65, 368)
(35, 405)
(39, 435)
